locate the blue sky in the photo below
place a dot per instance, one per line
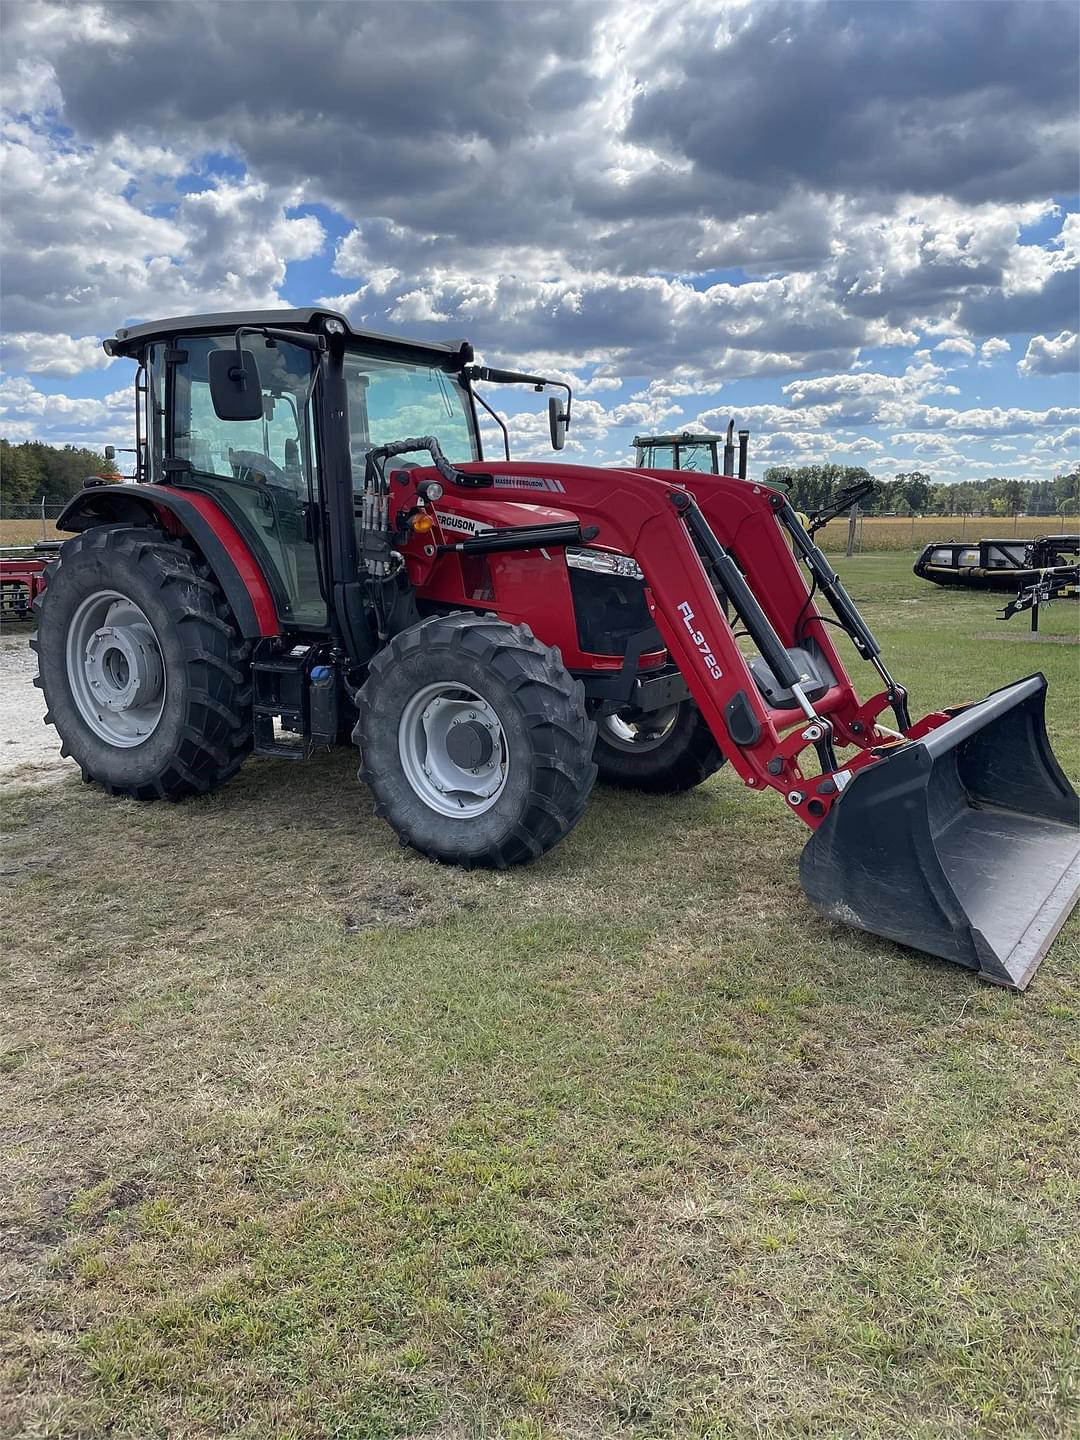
(862, 244)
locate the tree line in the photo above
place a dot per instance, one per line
(33, 471)
(809, 487)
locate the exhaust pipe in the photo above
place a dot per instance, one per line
(729, 449)
(744, 441)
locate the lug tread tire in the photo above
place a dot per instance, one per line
(546, 701)
(212, 734)
(688, 756)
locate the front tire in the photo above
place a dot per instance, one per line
(144, 674)
(662, 751)
(475, 741)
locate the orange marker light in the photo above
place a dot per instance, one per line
(422, 523)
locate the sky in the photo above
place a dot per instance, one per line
(851, 227)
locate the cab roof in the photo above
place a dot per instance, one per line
(687, 437)
(448, 354)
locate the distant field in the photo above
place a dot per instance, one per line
(886, 532)
(26, 532)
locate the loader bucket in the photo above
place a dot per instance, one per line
(964, 844)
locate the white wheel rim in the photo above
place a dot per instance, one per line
(453, 750)
(115, 670)
(646, 732)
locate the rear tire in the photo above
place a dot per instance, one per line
(662, 751)
(145, 676)
(475, 741)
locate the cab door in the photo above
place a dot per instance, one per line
(263, 473)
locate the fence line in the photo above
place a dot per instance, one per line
(24, 523)
(875, 533)
(18, 519)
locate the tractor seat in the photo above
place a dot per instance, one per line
(808, 663)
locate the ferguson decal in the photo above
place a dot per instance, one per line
(699, 640)
(450, 521)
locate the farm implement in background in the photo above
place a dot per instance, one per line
(1053, 584)
(22, 578)
(995, 564)
(300, 564)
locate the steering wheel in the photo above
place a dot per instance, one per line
(260, 467)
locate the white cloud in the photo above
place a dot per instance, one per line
(54, 354)
(82, 253)
(27, 413)
(1068, 440)
(995, 420)
(956, 345)
(1047, 356)
(925, 444)
(991, 349)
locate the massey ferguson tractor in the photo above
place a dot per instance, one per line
(316, 552)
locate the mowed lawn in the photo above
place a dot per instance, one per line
(305, 1136)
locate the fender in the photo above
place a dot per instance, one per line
(197, 516)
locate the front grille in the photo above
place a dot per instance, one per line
(608, 609)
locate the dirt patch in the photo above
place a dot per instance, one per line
(403, 906)
(29, 749)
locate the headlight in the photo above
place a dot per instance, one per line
(968, 557)
(940, 557)
(604, 562)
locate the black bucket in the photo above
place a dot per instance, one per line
(965, 844)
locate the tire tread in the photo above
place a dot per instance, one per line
(215, 658)
(552, 706)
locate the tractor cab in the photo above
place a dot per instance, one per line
(272, 416)
(697, 452)
(314, 397)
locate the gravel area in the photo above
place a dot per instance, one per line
(29, 749)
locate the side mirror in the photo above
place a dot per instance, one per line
(110, 452)
(557, 422)
(235, 386)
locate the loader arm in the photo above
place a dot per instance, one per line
(956, 834)
(682, 537)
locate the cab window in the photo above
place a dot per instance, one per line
(262, 472)
(391, 401)
(658, 457)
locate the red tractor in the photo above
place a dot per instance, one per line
(316, 551)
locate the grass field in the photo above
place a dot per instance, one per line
(26, 532)
(306, 1137)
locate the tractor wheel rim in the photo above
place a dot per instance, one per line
(453, 750)
(645, 732)
(115, 669)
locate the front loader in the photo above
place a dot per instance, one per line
(315, 551)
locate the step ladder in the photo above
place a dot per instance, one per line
(281, 703)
